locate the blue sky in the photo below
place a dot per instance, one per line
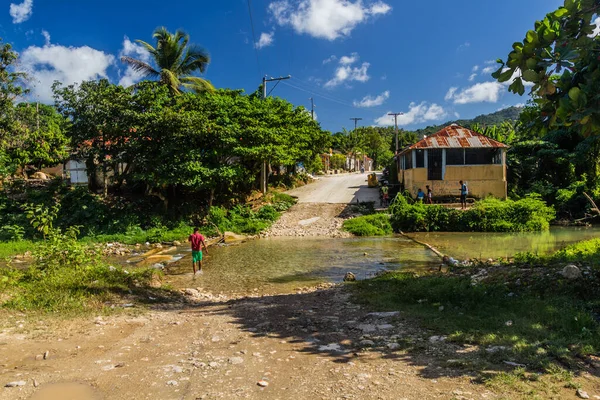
(428, 59)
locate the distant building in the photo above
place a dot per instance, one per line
(451, 155)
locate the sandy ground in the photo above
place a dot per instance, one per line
(308, 345)
(311, 219)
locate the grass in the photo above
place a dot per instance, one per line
(369, 225)
(587, 251)
(12, 248)
(530, 314)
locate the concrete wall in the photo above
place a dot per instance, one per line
(482, 180)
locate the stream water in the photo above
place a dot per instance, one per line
(278, 265)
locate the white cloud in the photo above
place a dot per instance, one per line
(351, 59)
(21, 12)
(478, 93)
(597, 30)
(472, 77)
(450, 93)
(463, 46)
(476, 68)
(370, 101)
(488, 70)
(330, 59)
(417, 113)
(64, 64)
(266, 39)
(134, 50)
(345, 72)
(46, 36)
(325, 19)
(456, 115)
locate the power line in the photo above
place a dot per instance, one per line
(318, 90)
(254, 37)
(316, 94)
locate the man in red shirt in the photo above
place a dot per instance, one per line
(197, 240)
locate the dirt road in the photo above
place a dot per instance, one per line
(337, 189)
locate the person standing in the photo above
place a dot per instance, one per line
(385, 191)
(429, 195)
(464, 191)
(420, 196)
(197, 240)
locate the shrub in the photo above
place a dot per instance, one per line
(369, 225)
(488, 215)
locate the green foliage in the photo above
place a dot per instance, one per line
(369, 225)
(587, 251)
(548, 323)
(12, 233)
(316, 165)
(67, 276)
(41, 217)
(488, 215)
(337, 161)
(13, 248)
(559, 57)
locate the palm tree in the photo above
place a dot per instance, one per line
(176, 62)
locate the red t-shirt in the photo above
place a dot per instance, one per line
(196, 240)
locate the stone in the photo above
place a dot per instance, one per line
(388, 314)
(571, 272)
(262, 383)
(495, 349)
(172, 383)
(330, 347)
(213, 364)
(236, 360)
(436, 339)
(46, 355)
(349, 277)
(385, 327)
(15, 384)
(40, 175)
(366, 328)
(393, 346)
(176, 243)
(582, 395)
(366, 343)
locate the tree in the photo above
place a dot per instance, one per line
(9, 91)
(176, 60)
(560, 58)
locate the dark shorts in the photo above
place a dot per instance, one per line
(463, 198)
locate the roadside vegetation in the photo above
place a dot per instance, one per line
(369, 225)
(525, 313)
(488, 215)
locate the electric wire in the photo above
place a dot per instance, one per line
(317, 94)
(254, 42)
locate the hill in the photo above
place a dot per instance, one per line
(507, 114)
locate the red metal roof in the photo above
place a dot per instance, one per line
(455, 136)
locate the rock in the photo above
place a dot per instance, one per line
(385, 327)
(46, 355)
(15, 384)
(366, 328)
(330, 347)
(495, 349)
(35, 383)
(366, 343)
(384, 314)
(571, 272)
(393, 346)
(513, 364)
(230, 237)
(40, 175)
(349, 277)
(176, 243)
(213, 364)
(262, 383)
(436, 339)
(157, 266)
(192, 292)
(582, 395)
(172, 383)
(235, 360)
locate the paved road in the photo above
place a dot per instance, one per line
(337, 189)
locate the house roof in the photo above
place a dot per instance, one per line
(455, 137)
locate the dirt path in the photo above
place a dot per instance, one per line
(337, 189)
(311, 219)
(309, 345)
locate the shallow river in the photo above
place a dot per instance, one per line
(278, 265)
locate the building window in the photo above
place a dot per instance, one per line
(420, 156)
(455, 157)
(483, 156)
(408, 160)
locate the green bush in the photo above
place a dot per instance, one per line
(369, 225)
(488, 215)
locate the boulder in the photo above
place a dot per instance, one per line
(40, 175)
(349, 277)
(230, 237)
(571, 272)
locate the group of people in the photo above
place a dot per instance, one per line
(428, 198)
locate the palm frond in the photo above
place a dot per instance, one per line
(149, 48)
(197, 84)
(140, 66)
(171, 80)
(196, 58)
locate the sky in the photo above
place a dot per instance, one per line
(431, 60)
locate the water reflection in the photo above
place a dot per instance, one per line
(278, 265)
(462, 245)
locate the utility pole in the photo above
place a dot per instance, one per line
(263, 170)
(312, 108)
(396, 124)
(355, 122)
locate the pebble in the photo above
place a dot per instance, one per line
(46, 354)
(172, 383)
(262, 383)
(236, 360)
(213, 364)
(393, 346)
(15, 384)
(366, 343)
(582, 395)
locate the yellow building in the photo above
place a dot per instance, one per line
(451, 155)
